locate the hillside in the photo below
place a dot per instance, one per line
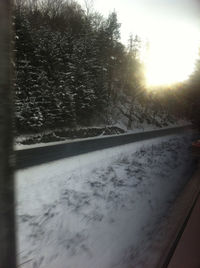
(74, 75)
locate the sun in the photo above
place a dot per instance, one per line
(171, 54)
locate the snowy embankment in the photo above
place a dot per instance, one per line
(59, 136)
(99, 210)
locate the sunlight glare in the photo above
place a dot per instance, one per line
(172, 52)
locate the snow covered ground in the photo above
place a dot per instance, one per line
(99, 210)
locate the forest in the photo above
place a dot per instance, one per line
(72, 71)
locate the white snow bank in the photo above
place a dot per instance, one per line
(99, 209)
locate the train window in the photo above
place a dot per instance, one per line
(99, 133)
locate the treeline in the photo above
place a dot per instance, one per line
(191, 95)
(72, 70)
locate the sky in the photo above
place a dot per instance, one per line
(143, 16)
(171, 28)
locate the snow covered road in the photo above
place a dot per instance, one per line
(101, 209)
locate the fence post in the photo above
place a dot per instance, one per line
(7, 200)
